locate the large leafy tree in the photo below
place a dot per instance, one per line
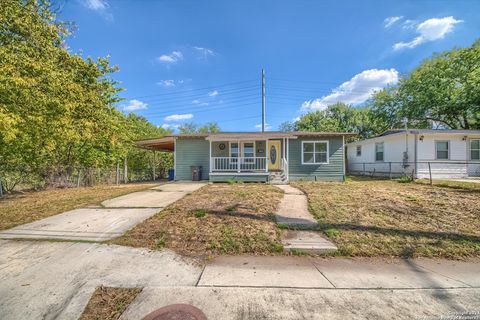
(191, 127)
(444, 91)
(338, 117)
(57, 109)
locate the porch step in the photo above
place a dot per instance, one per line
(277, 178)
(307, 242)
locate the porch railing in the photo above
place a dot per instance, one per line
(238, 164)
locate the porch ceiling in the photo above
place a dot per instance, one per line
(161, 144)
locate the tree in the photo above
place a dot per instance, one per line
(339, 117)
(191, 128)
(444, 91)
(287, 126)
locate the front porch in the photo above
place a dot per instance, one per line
(248, 159)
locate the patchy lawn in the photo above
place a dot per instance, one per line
(367, 217)
(109, 303)
(217, 219)
(20, 208)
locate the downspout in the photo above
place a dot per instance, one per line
(175, 159)
(344, 159)
(415, 159)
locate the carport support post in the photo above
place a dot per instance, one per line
(117, 173)
(1, 188)
(125, 173)
(430, 173)
(153, 166)
(79, 177)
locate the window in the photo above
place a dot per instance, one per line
(359, 151)
(379, 151)
(315, 152)
(441, 149)
(249, 152)
(234, 151)
(475, 149)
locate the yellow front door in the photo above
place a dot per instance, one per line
(274, 155)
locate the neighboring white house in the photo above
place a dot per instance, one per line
(416, 152)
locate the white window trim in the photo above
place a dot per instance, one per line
(375, 151)
(243, 148)
(316, 163)
(449, 145)
(356, 150)
(470, 148)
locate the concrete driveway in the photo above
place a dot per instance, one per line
(105, 222)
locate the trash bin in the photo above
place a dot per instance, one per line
(171, 174)
(196, 173)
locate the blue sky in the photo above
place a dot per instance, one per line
(183, 61)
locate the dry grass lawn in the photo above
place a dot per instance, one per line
(109, 303)
(367, 217)
(25, 207)
(217, 219)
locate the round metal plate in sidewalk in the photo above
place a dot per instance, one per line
(176, 312)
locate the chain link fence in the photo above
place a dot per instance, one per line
(417, 170)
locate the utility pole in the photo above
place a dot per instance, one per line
(263, 100)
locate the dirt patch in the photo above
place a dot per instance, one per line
(20, 208)
(367, 217)
(217, 219)
(109, 303)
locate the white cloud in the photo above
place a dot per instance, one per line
(204, 52)
(390, 21)
(409, 24)
(213, 93)
(173, 57)
(200, 103)
(259, 126)
(178, 117)
(96, 5)
(134, 105)
(429, 30)
(356, 90)
(166, 83)
(99, 6)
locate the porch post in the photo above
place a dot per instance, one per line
(266, 155)
(210, 156)
(239, 156)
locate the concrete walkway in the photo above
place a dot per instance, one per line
(109, 221)
(317, 288)
(293, 212)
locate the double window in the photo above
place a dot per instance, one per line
(442, 150)
(475, 149)
(379, 152)
(314, 152)
(247, 150)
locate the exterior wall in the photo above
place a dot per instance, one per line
(191, 152)
(331, 171)
(216, 152)
(454, 166)
(394, 146)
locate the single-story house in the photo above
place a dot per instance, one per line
(274, 157)
(417, 152)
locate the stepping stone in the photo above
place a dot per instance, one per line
(306, 241)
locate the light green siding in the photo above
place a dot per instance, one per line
(191, 152)
(332, 171)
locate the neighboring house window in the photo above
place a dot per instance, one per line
(442, 150)
(379, 151)
(359, 151)
(314, 152)
(475, 149)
